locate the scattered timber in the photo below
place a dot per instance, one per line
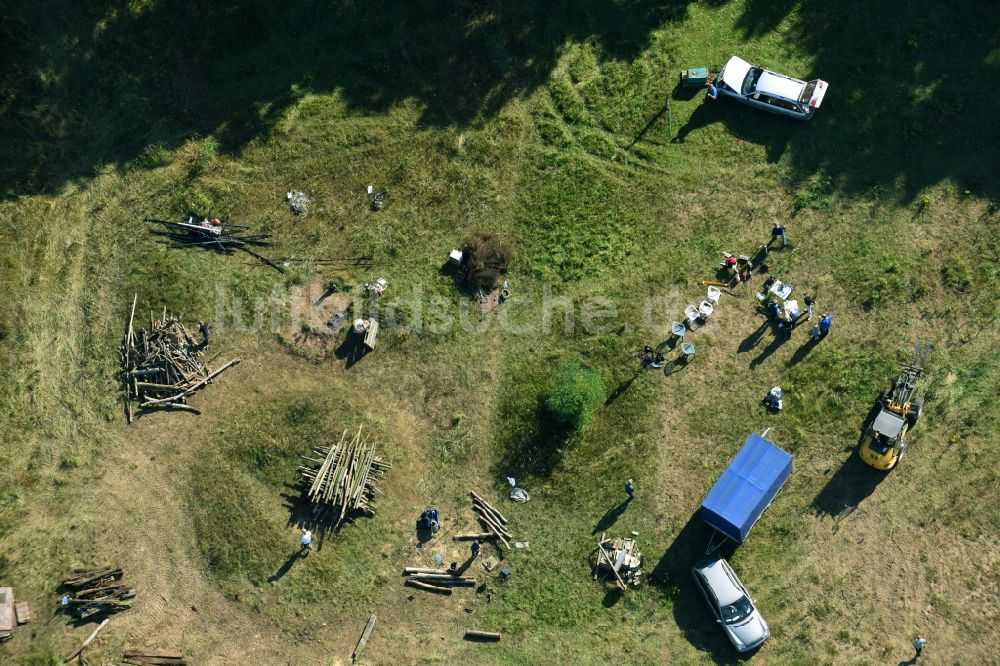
(473, 537)
(162, 365)
(224, 238)
(430, 588)
(365, 635)
(93, 593)
(491, 519)
(472, 635)
(76, 653)
(343, 480)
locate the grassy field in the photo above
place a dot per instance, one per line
(558, 127)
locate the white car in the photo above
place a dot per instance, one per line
(769, 91)
(731, 604)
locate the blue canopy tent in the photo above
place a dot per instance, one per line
(746, 488)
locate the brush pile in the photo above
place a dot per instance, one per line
(162, 366)
(92, 593)
(342, 481)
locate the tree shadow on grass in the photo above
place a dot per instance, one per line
(88, 84)
(533, 446)
(672, 577)
(896, 113)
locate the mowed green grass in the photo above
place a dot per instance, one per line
(563, 143)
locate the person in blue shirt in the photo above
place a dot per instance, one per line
(713, 93)
(824, 323)
(772, 310)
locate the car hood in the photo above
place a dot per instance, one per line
(735, 72)
(751, 632)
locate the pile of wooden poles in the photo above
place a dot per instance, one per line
(492, 521)
(342, 480)
(225, 238)
(91, 593)
(162, 366)
(439, 581)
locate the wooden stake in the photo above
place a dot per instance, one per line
(76, 653)
(364, 638)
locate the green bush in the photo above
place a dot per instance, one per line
(956, 274)
(575, 394)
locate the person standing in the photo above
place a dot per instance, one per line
(824, 323)
(476, 548)
(630, 490)
(203, 329)
(306, 540)
(918, 645)
(779, 232)
(810, 302)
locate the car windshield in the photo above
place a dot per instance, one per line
(750, 82)
(739, 610)
(807, 92)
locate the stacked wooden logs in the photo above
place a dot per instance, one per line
(491, 519)
(162, 366)
(438, 581)
(343, 479)
(91, 593)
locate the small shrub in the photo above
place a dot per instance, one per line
(956, 274)
(816, 195)
(576, 393)
(155, 155)
(206, 153)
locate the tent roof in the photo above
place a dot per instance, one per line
(746, 487)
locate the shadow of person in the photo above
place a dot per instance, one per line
(611, 516)
(802, 351)
(751, 340)
(912, 661)
(352, 349)
(287, 566)
(702, 117)
(780, 337)
(624, 386)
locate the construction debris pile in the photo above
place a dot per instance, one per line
(92, 593)
(622, 558)
(150, 657)
(162, 366)
(298, 202)
(343, 480)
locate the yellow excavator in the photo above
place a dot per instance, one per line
(884, 442)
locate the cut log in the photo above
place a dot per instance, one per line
(364, 638)
(473, 537)
(430, 588)
(422, 570)
(473, 635)
(489, 506)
